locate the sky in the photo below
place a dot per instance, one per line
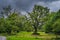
(27, 5)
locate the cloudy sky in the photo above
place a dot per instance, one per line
(27, 5)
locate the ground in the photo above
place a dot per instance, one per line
(29, 36)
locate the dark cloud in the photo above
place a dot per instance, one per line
(23, 5)
(27, 5)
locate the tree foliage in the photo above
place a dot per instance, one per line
(37, 16)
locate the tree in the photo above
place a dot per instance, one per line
(27, 25)
(2, 25)
(17, 20)
(38, 13)
(56, 27)
(52, 25)
(56, 24)
(47, 27)
(6, 11)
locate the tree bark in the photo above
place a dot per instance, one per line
(35, 29)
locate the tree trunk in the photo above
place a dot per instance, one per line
(35, 29)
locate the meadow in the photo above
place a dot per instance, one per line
(29, 36)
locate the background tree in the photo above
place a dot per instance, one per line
(56, 24)
(6, 11)
(27, 25)
(14, 22)
(52, 24)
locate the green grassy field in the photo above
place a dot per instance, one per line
(29, 36)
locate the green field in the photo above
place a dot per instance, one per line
(29, 36)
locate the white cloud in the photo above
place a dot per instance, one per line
(54, 6)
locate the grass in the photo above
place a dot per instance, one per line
(29, 36)
(23, 38)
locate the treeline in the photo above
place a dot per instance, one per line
(40, 19)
